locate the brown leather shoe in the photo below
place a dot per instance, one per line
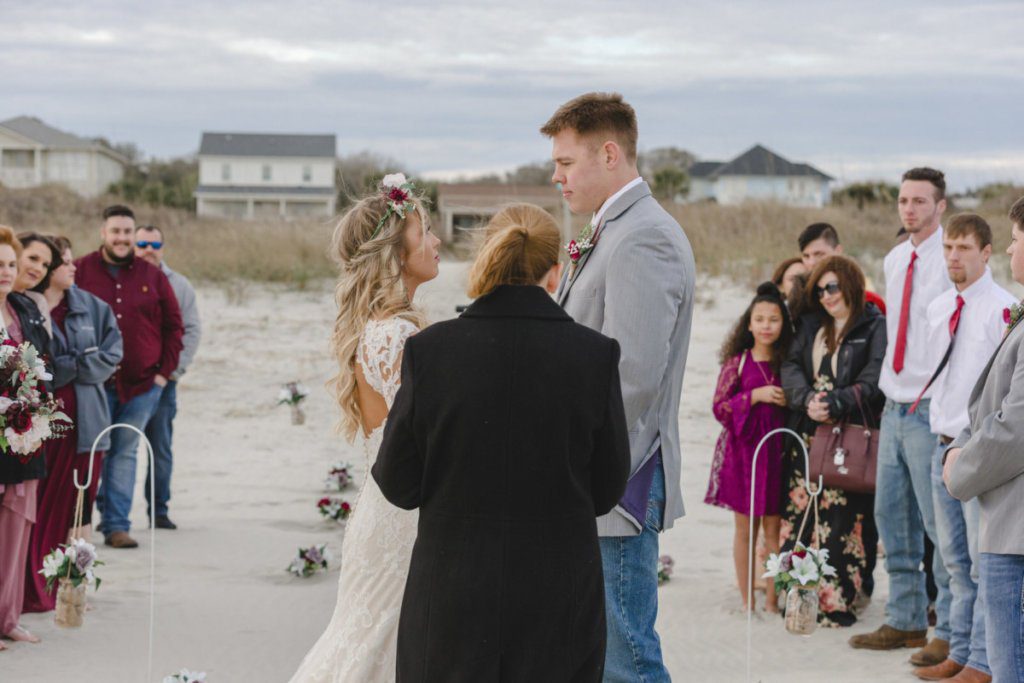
(935, 652)
(120, 539)
(970, 675)
(940, 672)
(889, 638)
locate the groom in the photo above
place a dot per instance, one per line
(631, 276)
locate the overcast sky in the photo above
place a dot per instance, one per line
(861, 89)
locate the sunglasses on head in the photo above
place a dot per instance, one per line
(142, 244)
(830, 288)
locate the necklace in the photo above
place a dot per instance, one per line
(769, 379)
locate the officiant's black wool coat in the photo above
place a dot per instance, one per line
(509, 434)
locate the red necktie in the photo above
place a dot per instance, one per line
(954, 323)
(901, 332)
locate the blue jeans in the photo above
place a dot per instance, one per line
(957, 525)
(118, 484)
(160, 431)
(905, 512)
(1002, 584)
(633, 652)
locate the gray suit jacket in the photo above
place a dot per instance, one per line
(637, 286)
(992, 461)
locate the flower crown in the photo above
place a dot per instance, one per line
(398, 192)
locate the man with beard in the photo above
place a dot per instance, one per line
(148, 315)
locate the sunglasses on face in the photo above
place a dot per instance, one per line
(142, 244)
(830, 288)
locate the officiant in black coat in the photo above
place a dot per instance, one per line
(509, 435)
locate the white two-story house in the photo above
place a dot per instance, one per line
(759, 174)
(33, 153)
(250, 175)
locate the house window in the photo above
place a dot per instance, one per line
(225, 172)
(18, 158)
(307, 174)
(266, 172)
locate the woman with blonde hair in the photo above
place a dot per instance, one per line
(509, 435)
(385, 250)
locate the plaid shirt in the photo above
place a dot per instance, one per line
(148, 315)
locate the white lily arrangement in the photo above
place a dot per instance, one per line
(801, 566)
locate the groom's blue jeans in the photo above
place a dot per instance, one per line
(633, 652)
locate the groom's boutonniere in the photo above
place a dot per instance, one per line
(1012, 316)
(583, 243)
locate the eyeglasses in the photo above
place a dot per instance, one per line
(142, 244)
(830, 288)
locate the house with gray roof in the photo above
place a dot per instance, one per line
(759, 174)
(33, 153)
(266, 176)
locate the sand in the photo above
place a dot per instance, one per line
(245, 488)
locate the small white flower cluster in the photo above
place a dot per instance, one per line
(802, 565)
(292, 393)
(394, 180)
(80, 555)
(186, 676)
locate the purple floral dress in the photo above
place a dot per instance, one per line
(744, 426)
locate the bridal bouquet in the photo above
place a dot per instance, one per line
(28, 414)
(338, 477)
(309, 561)
(186, 676)
(334, 508)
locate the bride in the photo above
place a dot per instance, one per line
(385, 250)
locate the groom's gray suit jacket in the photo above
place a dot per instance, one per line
(637, 286)
(991, 465)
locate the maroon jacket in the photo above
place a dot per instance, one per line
(147, 314)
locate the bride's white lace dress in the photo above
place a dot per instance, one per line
(360, 643)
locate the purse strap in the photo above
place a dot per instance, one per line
(868, 422)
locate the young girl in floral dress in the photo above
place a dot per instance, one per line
(749, 403)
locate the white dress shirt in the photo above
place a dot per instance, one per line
(978, 335)
(930, 280)
(611, 200)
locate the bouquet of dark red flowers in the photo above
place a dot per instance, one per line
(29, 415)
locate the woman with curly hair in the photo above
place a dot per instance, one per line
(385, 251)
(749, 403)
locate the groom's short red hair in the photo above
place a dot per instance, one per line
(597, 113)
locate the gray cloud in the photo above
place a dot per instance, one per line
(861, 90)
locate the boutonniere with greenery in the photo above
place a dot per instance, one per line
(583, 243)
(1012, 315)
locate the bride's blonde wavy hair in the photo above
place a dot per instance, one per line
(370, 286)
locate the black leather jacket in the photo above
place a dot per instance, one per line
(858, 363)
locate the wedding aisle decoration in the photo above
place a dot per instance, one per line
(339, 477)
(293, 394)
(28, 414)
(186, 676)
(334, 508)
(665, 565)
(309, 561)
(71, 568)
(797, 573)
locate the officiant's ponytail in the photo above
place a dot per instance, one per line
(521, 245)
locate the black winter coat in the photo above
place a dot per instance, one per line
(859, 362)
(509, 434)
(33, 328)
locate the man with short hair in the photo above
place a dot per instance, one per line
(631, 276)
(149, 245)
(965, 327)
(986, 461)
(148, 316)
(915, 275)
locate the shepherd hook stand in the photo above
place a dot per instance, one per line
(750, 567)
(152, 525)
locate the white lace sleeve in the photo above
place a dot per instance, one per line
(380, 354)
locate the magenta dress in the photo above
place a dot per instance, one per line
(743, 426)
